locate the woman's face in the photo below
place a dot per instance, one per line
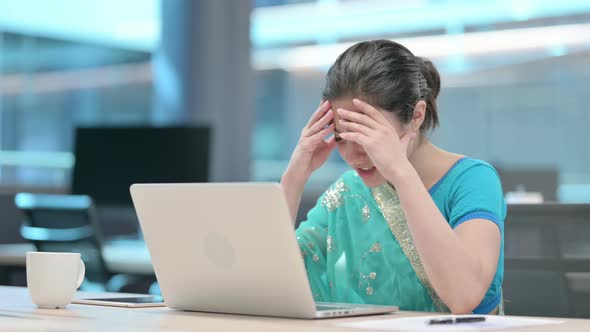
(353, 153)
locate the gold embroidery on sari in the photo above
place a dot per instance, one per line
(316, 238)
(330, 244)
(364, 278)
(366, 213)
(390, 206)
(365, 210)
(376, 247)
(333, 198)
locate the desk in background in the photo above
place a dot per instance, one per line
(121, 256)
(547, 260)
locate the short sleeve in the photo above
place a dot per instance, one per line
(478, 195)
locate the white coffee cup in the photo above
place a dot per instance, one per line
(53, 277)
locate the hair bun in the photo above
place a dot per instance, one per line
(430, 74)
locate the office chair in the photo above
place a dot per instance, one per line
(547, 260)
(67, 223)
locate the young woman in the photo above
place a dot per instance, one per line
(411, 225)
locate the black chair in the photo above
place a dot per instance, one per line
(547, 260)
(67, 223)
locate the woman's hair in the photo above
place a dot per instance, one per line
(387, 75)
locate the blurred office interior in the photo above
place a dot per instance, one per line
(249, 73)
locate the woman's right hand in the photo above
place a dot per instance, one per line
(311, 152)
(313, 149)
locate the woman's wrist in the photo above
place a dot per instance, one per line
(293, 185)
(401, 174)
(292, 178)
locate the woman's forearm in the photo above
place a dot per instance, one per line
(293, 186)
(455, 274)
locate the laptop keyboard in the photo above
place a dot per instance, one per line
(323, 307)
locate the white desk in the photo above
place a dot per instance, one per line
(17, 313)
(121, 256)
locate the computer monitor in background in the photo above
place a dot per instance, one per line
(110, 159)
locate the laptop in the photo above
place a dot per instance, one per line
(230, 248)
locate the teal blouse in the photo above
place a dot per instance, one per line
(358, 249)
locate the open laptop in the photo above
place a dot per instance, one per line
(229, 248)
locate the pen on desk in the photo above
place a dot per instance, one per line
(456, 320)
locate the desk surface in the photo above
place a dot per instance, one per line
(121, 256)
(17, 313)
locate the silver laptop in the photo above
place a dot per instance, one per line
(229, 248)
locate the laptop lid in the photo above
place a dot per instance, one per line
(224, 247)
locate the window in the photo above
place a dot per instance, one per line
(513, 73)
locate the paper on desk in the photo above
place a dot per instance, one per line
(421, 324)
(27, 325)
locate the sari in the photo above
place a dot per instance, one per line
(357, 246)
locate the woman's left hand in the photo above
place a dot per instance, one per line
(370, 129)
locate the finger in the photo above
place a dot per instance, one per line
(329, 143)
(322, 109)
(358, 118)
(321, 123)
(331, 140)
(355, 127)
(323, 133)
(354, 137)
(370, 110)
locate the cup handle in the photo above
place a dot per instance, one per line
(81, 273)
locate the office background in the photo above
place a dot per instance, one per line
(514, 86)
(514, 77)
